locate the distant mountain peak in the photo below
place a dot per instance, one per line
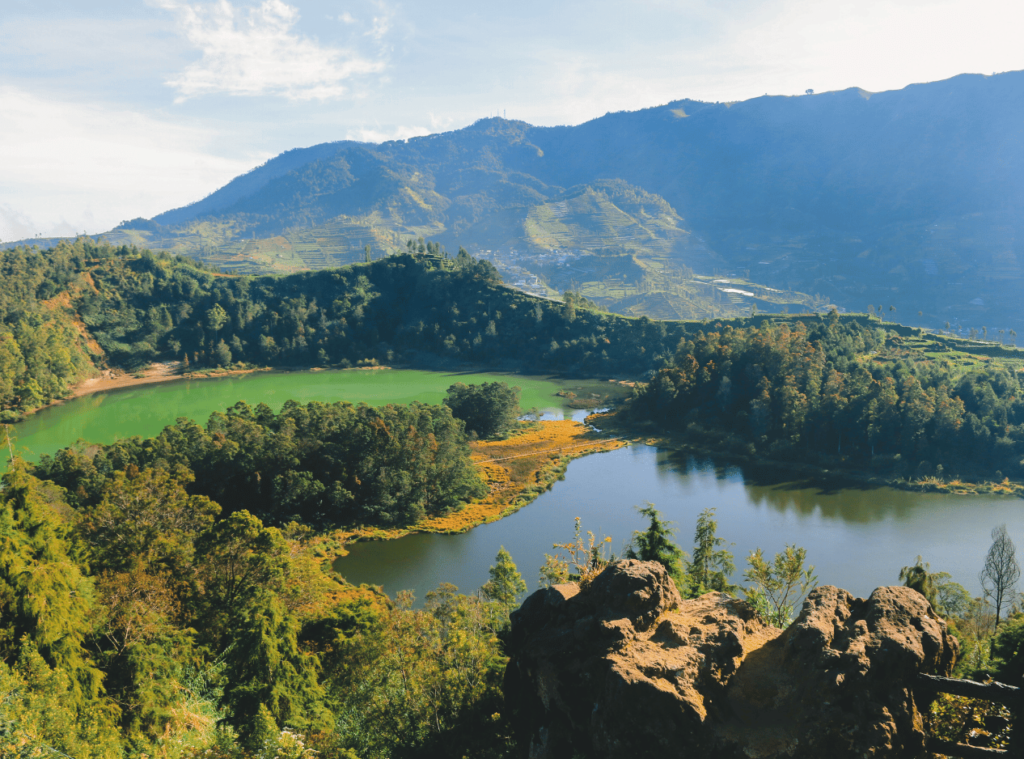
(786, 191)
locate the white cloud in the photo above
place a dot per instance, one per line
(377, 134)
(381, 23)
(15, 225)
(255, 51)
(70, 167)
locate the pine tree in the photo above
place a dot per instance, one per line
(41, 715)
(655, 544)
(45, 598)
(506, 584)
(238, 559)
(264, 739)
(266, 670)
(712, 564)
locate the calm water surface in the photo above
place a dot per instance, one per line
(857, 538)
(145, 410)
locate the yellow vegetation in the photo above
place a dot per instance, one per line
(958, 487)
(516, 471)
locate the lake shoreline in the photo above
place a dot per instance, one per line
(648, 434)
(511, 486)
(170, 371)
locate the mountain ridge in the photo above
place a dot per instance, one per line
(911, 198)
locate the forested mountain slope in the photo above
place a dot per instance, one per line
(83, 305)
(910, 198)
(860, 390)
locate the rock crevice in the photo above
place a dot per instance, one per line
(626, 667)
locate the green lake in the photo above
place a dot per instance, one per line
(857, 537)
(144, 410)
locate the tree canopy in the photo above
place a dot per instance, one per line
(655, 544)
(80, 306)
(488, 410)
(820, 389)
(324, 464)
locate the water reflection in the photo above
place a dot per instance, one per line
(555, 414)
(857, 537)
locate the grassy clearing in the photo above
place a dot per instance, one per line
(960, 356)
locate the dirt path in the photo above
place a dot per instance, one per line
(112, 379)
(516, 471)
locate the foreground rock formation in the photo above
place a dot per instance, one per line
(626, 668)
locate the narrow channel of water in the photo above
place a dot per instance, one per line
(858, 538)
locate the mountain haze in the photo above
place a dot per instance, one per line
(910, 199)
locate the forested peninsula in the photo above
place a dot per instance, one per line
(325, 465)
(853, 391)
(841, 394)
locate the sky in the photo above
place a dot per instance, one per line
(116, 109)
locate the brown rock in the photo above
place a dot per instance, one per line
(626, 668)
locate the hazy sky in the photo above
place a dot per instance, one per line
(112, 109)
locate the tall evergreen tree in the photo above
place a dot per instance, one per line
(238, 561)
(41, 714)
(712, 564)
(44, 596)
(655, 544)
(506, 584)
(265, 669)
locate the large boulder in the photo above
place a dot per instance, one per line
(625, 667)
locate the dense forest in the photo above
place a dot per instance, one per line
(767, 385)
(172, 597)
(821, 389)
(79, 305)
(42, 353)
(325, 465)
(150, 625)
(154, 624)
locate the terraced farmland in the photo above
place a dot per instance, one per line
(592, 221)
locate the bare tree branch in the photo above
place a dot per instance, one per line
(1001, 570)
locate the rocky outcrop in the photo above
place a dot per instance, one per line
(627, 668)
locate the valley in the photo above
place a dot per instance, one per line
(293, 542)
(387, 380)
(259, 508)
(758, 504)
